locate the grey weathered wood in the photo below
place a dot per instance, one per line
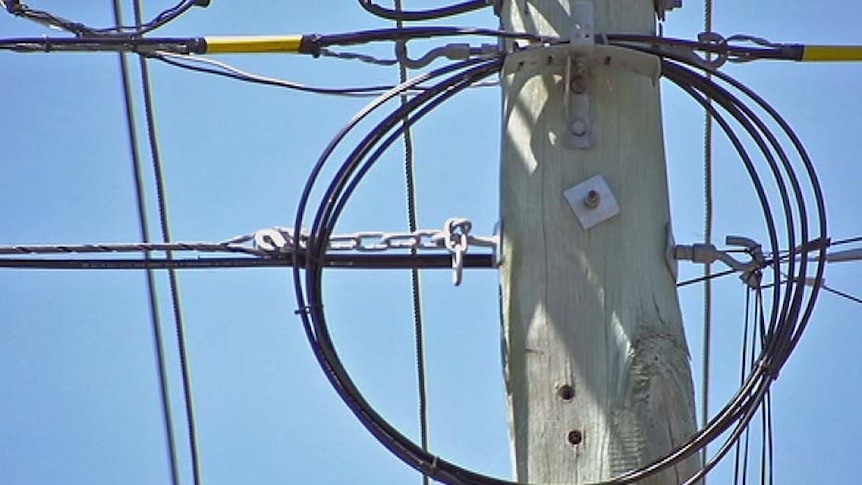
(596, 309)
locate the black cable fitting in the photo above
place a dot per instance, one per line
(306, 310)
(767, 370)
(310, 44)
(14, 7)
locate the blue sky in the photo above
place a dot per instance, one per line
(80, 391)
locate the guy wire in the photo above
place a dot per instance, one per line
(158, 339)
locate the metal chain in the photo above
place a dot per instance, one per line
(455, 234)
(454, 237)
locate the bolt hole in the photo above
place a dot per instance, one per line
(575, 437)
(566, 392)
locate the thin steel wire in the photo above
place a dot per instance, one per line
(164, 222)
(415, 279)
(158, 339)
(707, 236)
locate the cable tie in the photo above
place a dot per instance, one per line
(433, 468)
(768, 370)
(307, 309)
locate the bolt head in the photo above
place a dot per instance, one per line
(593, 199)
(578, 84)
(579, 128)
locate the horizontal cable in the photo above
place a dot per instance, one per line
(335, 261)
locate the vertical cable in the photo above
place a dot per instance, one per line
(172, 275)
(158, 340)
(742, 374)
(415, 281)
(707, 236)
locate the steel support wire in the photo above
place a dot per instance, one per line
(155, 314)
(164, 222)
(707, 239)
(415, 279)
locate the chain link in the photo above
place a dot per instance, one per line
(454, 235)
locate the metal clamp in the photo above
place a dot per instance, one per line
(708, 254)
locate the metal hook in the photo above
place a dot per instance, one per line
(457, 241)
(708, 254)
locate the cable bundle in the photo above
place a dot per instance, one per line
(788, 206)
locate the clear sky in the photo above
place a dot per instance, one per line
(79, 395)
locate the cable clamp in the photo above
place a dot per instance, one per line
(708, 254)
(714, 41)
(275, 240)
(454, 52)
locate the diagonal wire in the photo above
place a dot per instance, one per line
(707, 231)
(159, 344)
(415, 280)
(842, 294)
(172, 275)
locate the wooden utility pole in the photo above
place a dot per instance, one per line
(597, 364)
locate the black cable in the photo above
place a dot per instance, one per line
(176, 301)
(787, 342)
(155, 314)
(334, 261)
(15, 7)
(319, 337)
(842, 294)
(411, 33)
(701, 279)
(266, 81)
(415, 281)
(739, 410)
(846, 241)
(740, 464)
(417, 15)
(312, 44)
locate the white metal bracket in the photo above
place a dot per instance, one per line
(575, 60)
(577, 98)
(592, 201)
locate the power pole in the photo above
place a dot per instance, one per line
(597, 364)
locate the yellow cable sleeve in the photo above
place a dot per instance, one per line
(832, 53)
(253, 43)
